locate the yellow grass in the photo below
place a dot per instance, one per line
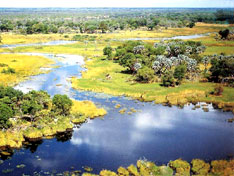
(24, 66)
(87, 108)
(11, 38)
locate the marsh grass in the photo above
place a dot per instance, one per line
(23, 67)
(44, 127)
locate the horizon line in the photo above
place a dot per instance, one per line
(116, 7)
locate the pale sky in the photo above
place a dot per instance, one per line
(117, 3)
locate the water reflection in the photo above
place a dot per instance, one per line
(156, 132)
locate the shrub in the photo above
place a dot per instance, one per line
(5, 113)
(168, 79)
(107, 51)
(145, 74)
(8, 70)
(182, 167)
(61, 104)
(200, 167)
(179, 73)
(224, 34)
(218, 90)
(222, 66)
(191, 24)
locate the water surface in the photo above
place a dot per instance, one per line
(155, 132)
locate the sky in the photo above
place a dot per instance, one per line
(117, 3)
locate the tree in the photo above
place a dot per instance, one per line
(107, 51)
(103, 27)
(145, 74)
(61, 104)
(224, 34)
(168, 79)
(128, 61)
(191, 24)
(179, 73)
(0, 39)
(5, 114)
(222, 66)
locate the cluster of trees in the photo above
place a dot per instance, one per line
(145, 60)
(170, 61)
(30, 106)
(108, 20)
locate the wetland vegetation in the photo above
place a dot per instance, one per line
(131, 59)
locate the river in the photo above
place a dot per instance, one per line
(155, 132)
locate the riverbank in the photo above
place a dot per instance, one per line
(94, 79)
(179, 167)
(19, 67)
(23, 130)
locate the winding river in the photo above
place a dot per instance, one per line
(155, 132)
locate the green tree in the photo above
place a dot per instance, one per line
(145, 74)
(222, 68)
(103, 27)
(107, 51)
(224, 34)
(128, 61)
(168, 79)
(191, 24)
(179, 73)
(5, 113)
(61, 104)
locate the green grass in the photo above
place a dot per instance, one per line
(123, 84)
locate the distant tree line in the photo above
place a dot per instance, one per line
(116, 20)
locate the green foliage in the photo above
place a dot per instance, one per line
(61, 104)
(179, 73)
(107, 51)
(128, 61)
(200, 167)
(8, 70)
(145, 74)
(222, 66)
(5, 113)
(168, 79)
(181, 167)
(191, 24)
(224, 34)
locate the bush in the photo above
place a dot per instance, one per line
(61, 104)
(168, 79)
(224, 34)
(145, 74)
(8, 70)
(5, 113)
(191, 24)
(179, 73)
(218, 90)
(107, 51)
(222, 67)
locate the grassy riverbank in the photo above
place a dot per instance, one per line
(22, 67)
(123, 84)
(177, 167)
(22, 129)
(94, 79)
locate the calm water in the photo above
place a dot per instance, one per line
(155, 132)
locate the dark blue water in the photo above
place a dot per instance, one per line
(155, 132)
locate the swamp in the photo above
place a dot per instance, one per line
(116, 90)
